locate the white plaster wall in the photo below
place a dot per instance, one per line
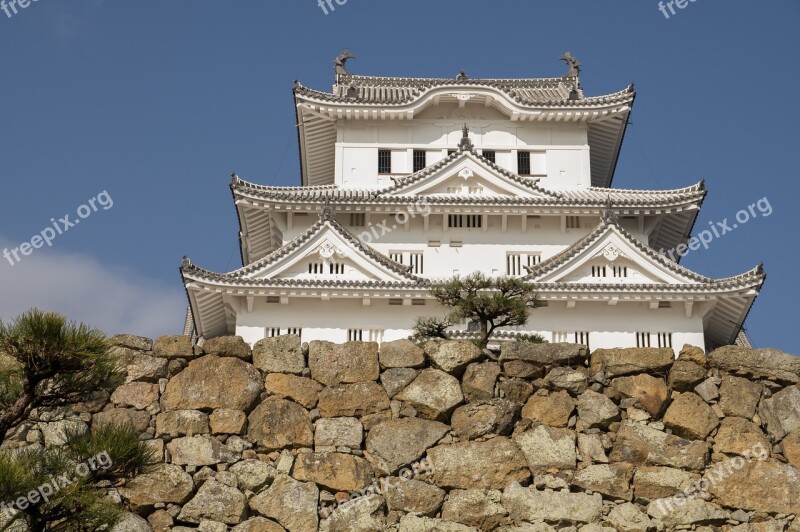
(564, 165)
(481, 250)
(609, 326)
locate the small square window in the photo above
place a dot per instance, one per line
(490, 155)
(384, 161)
(524, 163)
(420, 158)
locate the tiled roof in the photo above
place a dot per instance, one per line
(542, 92)
(241, 275)
(609, 220)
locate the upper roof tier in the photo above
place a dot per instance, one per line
(553, 100)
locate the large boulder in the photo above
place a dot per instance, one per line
(413, 496)
(181, 423)
(137, 343)
(362, 514)
(643, 445)
(291, 503)
(486, 465)
(139, 420)
(739, 397)
(547, 448)
(563, 508)
(596, 410)
(172, 347)
(228, 346)
(657, 482)
(348, 363)
(739, 436)
(279, 354)
(554, 409)
(353, 400)
(258, 524)
(690, 417)
(401, 354)
(757, 363)
(791, 448)
(649, 392)
(227, 421)
(451, 356)
(199, 451)
(685, 512)
(395, 379)
(146, 368)
(567, 379)
(207, 383)
(479, 380)
(299, 389)
(338, 432)
(139, 395)
(769, 487)
(781, 412)
(611, 480)
(217, 502)
(278, 423)
(434, 394)
(397, 443)
(165, 483)
(544, 354)
(685, 375)
(479, 508)
(474, 420)
(618, 362)
(628, 517)
(415, 523)
(333, 471)
(252, 475)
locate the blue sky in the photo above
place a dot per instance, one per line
(156, 103)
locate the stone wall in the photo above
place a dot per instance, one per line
(446, 437)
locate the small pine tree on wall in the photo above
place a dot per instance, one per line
(48, 362)
(492, 303)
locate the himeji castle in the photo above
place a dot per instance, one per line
(406, 181)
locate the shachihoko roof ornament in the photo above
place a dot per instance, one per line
(573, 64)
(339, 64)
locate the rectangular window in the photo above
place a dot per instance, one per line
(297, 331)
(376, 335)
(560, 337)
(417, 263)
(573, 222)
(336, 268)
(490, 155)
(384, 161)
(534, 259)
(524, 163)
(455, 220)
(475, 190)
(474, 220)
(316, 268)
(397, 257)
(418, 302)
(395, 302)
(272, 332)
(450, 152)
(355, 335)
(598, 271)
(358, 219)
(419, 160)
(642, 339)
(273, 299)
(582, 338)
(664, 339)
(620, 271)
(454, 190)
(514, 264)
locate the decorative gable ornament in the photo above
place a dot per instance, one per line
(329, 252)
(466, 173)
(611, 253)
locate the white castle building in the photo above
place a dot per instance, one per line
(406, 181)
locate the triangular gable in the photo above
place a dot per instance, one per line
(609, 246)
(466, 173)
(326, 252)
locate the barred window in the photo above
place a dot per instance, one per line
(664, 339)
(384, 161)
(355, 335)
(524, 163)
(573, 222)
(642, 339)
(490, 155)
(358, 219)
(336, 268)
(419, 160)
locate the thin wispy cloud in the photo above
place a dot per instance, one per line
(112, 299)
